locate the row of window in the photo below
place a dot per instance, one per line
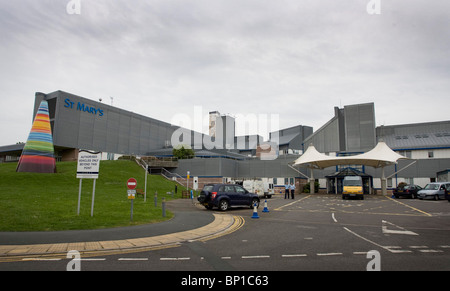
(398, 137)
(409, 155)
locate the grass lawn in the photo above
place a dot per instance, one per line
(48, 202)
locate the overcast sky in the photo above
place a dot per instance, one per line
(298, 58)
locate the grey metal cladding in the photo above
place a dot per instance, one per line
(416, 136)
(360, 127)
(100, 131)
(112, 135)
(66, 130)
(86, 124)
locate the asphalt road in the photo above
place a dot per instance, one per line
(312, 232)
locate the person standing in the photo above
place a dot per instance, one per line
(286, 191)
(292, 189)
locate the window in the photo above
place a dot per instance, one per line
(405, 153)
(240, 190)
(208, 188)
(229, 189)
(409, 181)
(431, 154)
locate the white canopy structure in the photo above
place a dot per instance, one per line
(379, 157)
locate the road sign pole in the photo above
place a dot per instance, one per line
(93, 198)
(145, 189)
(131, 184)
(79, 196)
(131, 218)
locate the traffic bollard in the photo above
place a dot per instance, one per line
(255, 211)
(163, 205)
(265, 207)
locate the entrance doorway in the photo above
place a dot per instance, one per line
(335, 181)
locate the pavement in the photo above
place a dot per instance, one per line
(191, 222)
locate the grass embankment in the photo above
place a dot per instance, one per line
(48, 202)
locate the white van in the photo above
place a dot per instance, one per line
(434, 191)
(261, 188)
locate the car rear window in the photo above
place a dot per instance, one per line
(208, 188)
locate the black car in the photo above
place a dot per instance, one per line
(407, 190)
(224, 196)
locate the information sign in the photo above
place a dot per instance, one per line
(131, 194)
(88, 164)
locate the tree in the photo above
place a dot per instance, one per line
(183, 152)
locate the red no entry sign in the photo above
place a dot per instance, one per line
(131, 183)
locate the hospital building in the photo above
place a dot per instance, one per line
(82, 123)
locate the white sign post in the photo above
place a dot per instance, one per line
(88, 168)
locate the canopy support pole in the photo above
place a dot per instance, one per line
(383, 182)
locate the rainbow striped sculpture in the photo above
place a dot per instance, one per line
(38, 153)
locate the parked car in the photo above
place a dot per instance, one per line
(225, 196)
(407, 190)
(447, 192)
(434, 191)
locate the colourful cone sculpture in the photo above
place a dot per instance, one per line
(38, 153)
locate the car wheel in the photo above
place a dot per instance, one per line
(253, 203)
(436, 197)
(223, 205)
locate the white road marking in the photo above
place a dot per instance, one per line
(388, 231)
(397, 251)
(133, 259)
(431, 251)
(332, 215)
(40, 259)
(360, 253)
(374, 243)
(329, 254)
(174, 259)
(294, 256)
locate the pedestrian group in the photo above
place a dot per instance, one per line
(289, 188)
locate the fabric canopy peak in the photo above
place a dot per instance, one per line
(380, 156)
